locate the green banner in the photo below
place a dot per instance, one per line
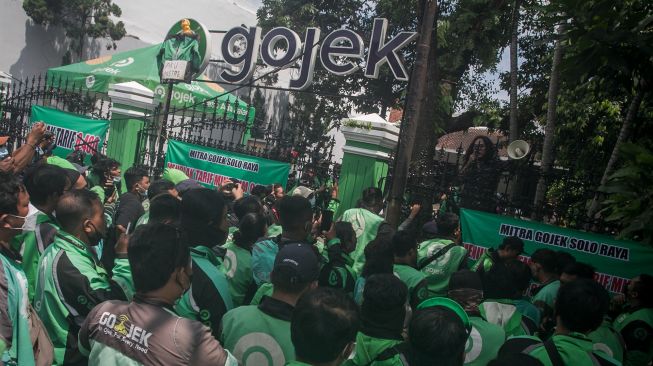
(616, 261)
(211, 166)
(72, 131)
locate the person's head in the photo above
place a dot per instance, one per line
(511, 248)
(324, 326)
(639, 292)
(544, 264)
(563, 260)
(204, 216)
(277, 190)
(248, 204)
(345, 232)
(46, 184)
(404, 245)
(14, 206)
(251, 227)
(296, 214)
(448, 225)
(466, 288)
(106, 168)
(372, 200)
(580, 306)
(261, 191)
(379, 253)
(499, 283)
(81, 214)
(295, 270)
(165, 208)
(437, 334)
(384, 303)
(482, 148)
(576, 270)
(521, 276)
(161, 186)
(76, 157)
(137, 180)
(159, 258)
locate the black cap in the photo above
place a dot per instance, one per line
(300, 260)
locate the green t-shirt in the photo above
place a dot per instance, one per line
(259, 335)
(439, 271)
(366, 225)
(415, 281)
(484, 342)
(368, 348)
(237, 266)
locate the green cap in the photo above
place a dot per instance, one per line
(174, 175)
(61, 163)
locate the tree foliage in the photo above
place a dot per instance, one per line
(79, 19)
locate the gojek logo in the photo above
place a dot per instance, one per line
(160, 91)
(90, 81)
(123, 327)
(124, 62)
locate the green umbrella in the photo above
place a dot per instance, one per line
(140, 65)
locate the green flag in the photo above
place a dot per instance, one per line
(72, 131)
(616, 261)
(211, 166)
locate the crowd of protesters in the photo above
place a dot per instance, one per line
(105, 267)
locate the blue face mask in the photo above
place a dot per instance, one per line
(4, 152)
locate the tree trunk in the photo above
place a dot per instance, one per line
(624, 134)
(514, 127)
(549, 131)
(415, 100)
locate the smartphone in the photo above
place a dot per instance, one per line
(327, 220)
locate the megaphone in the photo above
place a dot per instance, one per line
(518, 149)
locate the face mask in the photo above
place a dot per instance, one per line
(116, 180)
(4, 152)
(25, 226)
(312, 201)
(97, 235)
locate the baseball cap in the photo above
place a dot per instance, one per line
(186, 185)
(4, 139)
(302, 191)
(300, 260)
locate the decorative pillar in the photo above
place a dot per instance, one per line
(369, 142)
(130, 103)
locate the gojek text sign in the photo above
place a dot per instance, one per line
(616, 261)
(341, 52)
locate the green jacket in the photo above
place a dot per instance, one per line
(71, 281)
(366, 224)
(237, 266)
(439, 271)
(574, 349)
(504, 313)
(254, 333)
(337, 272)
(484, 342)
(208, 298)
(179, 47)
(636, 328)
(607, 340)
(486, 261)
(34, 244)
(20, 328)
(369, 348)
(415, 281)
